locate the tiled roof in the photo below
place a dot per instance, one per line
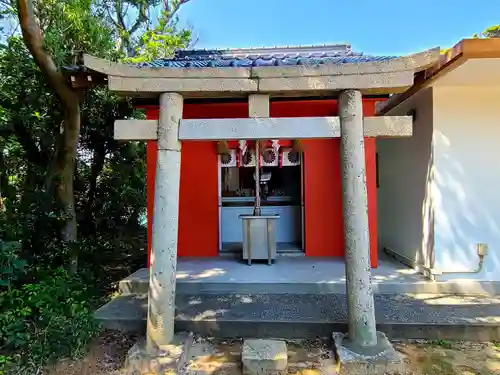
(279, 56)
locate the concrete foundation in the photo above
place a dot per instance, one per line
(311, 275)
(380, 358)
(264, 357)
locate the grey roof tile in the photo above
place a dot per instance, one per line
(279, 56)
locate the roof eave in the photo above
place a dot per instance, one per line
(456, 56)
(415, 63)
(374, 77)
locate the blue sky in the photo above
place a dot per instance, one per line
(391, 27)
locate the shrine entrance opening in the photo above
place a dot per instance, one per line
(280, 192)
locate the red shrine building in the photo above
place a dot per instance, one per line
(408, 200)
(305, 185)
(337, 158)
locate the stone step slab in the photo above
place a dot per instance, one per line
(138, 283)
(431, 317)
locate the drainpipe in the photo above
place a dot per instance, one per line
(429, 272)
(482, 251)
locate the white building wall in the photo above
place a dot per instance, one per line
(466, 189)
(404, 204)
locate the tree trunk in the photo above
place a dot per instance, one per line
(4, 181)
(67, 146)
(96, 168)
(64, 181)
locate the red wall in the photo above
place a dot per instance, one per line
(198, 206)
(198, 201)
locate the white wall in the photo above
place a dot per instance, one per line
(466, 189)
(405, 165)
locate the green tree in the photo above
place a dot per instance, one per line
(490, 32)
(146, 28)
(44, 313)
(55, 34)
(72, 28)
(45, 151)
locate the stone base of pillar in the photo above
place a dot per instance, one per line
(172, 358)
(379, 359)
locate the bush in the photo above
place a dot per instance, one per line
(11, 267)
(44, 319)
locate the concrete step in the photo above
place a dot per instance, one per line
(311, 315)
(261, 279)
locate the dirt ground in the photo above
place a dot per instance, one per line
(106, 356)
(310, 357)
(451, 358)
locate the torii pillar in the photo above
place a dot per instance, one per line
(360, 301)
(161, 306)
(364, 348)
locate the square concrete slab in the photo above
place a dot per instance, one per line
(264, 357)
(382, 359)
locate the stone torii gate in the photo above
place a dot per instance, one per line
(348, 81)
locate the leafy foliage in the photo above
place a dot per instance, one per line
(160, 41)
(11, 266)
(146, 29)
(45, 319)
(490, 32)
(71, 28)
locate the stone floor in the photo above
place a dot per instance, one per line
(305, 275)
(285, 270)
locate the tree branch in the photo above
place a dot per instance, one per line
(172, 12)
(64, 162)
(6, 3)
(140, 19)
(32, 36)
(113, 21)
(31, 151)
(119, 15)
